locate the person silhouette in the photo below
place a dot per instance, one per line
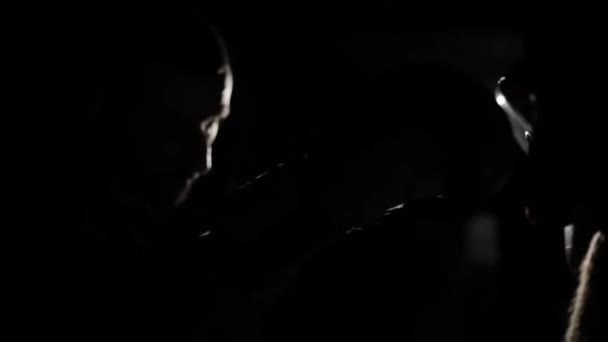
(141, 96)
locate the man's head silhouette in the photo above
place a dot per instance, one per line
(160, 86)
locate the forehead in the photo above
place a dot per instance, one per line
(177, 90)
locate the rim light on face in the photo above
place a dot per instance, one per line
(210, 126)
(227, 92)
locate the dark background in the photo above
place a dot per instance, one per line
(308, 55)
(299, 72)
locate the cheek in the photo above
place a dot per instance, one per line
(169, 147)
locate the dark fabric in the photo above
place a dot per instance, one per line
(405, 279)
(103, 295)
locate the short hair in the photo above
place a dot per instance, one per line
(126, 41)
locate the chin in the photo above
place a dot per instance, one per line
(184, 192)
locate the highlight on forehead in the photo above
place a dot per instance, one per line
(225, 70)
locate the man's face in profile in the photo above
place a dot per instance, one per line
(163, 127)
